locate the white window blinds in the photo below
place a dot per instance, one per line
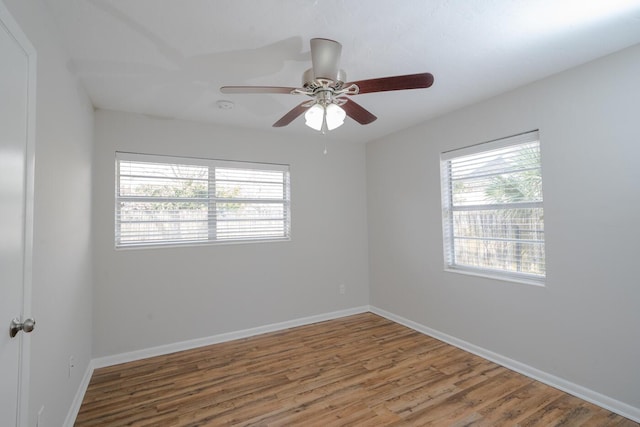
(493, 218)
(169, 200)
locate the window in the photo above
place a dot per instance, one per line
(168, 200)
(493, 219)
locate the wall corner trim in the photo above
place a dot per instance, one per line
(579, 391)
(77, 399)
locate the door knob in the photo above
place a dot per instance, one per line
(17, 326)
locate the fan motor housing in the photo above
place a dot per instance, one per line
(309, 79)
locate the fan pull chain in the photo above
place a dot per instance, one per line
(325, 149)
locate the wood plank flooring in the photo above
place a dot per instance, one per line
(361, 370)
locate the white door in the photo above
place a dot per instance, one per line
(15, 215)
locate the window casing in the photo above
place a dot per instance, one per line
(163, 200)
(492, 205)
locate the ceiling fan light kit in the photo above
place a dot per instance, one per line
(331, 99)
(324, 118)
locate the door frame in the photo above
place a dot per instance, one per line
(14, 29)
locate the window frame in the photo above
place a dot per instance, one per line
(211, 201)
(449, 248)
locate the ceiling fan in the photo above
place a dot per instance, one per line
(325, 84)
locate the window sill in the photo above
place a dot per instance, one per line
(496, 276)
(199, 244)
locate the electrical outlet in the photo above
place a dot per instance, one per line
(40, 419)
(342, 289)
(72, 364)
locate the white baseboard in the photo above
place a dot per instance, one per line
(102, 362)
(77, 399)
(596, 398)
(579, 391)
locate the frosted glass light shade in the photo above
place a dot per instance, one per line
(335, 116)
(317, 116)
(314, 117)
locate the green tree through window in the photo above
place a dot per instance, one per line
(492, 206)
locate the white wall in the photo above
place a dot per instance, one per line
(62, 277)
(583, 326)
(151, 297)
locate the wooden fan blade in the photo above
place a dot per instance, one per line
(410, 81)
(257, 89)
(291, 115)
(325, 56)
(358, 113)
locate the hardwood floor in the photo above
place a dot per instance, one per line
(360, 370)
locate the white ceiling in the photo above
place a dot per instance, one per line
(168, 58)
